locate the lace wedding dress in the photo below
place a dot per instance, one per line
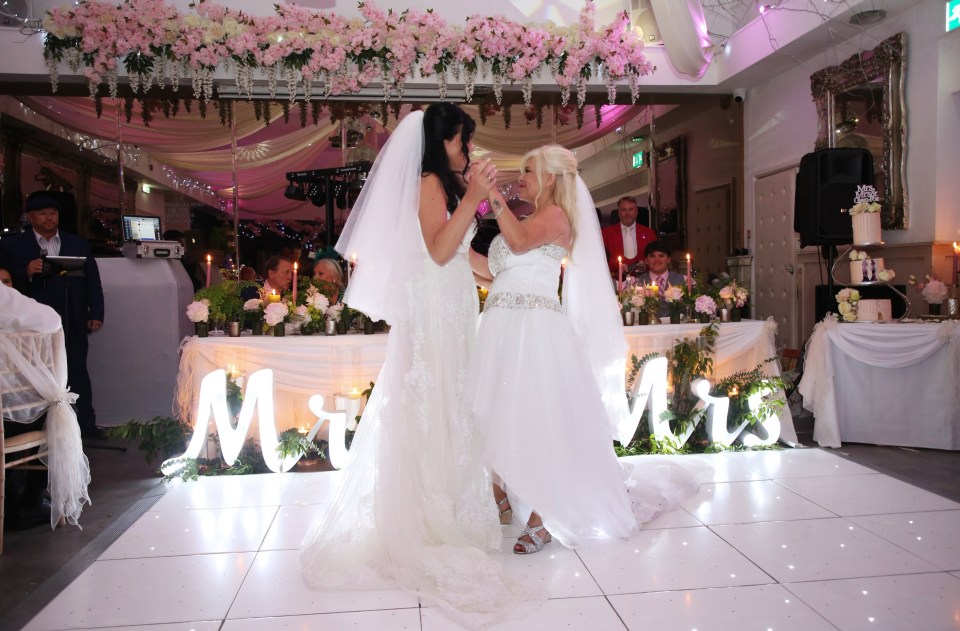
(416, 509)
(545, 428)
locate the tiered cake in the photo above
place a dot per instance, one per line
(869, 310)
(865, 215)
(865, 270)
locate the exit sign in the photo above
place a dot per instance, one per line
(638, 156)
(953, 15)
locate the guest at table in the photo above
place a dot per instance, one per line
(6, 278)
(657, 257)
(330, 271)
(278, 274)
(76, 296)
(247, 273)
(626, 238)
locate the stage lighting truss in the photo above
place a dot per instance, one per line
(339, 185)
(295, 191)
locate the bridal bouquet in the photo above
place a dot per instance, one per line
(847, 301)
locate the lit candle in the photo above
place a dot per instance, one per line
(654, 289)
(956, 264)
(689, 277)
(295, 266)
(273, 297)
(620, 273)
(209, 259)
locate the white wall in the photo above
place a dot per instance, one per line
(781, 121)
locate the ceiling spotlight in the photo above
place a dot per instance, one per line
(294, 191)
(870, 16)
(317, 194)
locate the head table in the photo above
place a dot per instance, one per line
(887, 383)
(328, 365)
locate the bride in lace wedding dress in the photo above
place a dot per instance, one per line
(547, 379)
(415, 509)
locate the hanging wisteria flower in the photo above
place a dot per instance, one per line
(705, 304)
(199, 310)
(275, 313)
(155, 41)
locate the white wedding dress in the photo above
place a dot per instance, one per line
(544, 426)
(415, 509)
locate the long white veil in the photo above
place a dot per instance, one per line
(592, 307)
(382, 233)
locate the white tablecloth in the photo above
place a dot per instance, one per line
(304, 366)
(885, 384)
(133, 358)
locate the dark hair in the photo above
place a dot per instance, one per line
(443, 121)
(274, 262)
(657, 246)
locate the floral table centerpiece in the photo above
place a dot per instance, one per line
(733, 297)
(313, 312)
(934, 291)
(847, 300)
(705, 307)
(198, 312)
(676, 298)
(253, 308)
(276, 314)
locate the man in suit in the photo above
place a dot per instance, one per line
(76, 296)
(657, 257)
(626, 239)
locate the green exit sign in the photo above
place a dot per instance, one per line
(638, 156)
(953, 15)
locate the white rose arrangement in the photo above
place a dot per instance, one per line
(847, 300)
(199, 310)
(933, 291)
(275, 313)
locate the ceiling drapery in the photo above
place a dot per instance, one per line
(200, 148)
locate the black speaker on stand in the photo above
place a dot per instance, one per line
(826, 185)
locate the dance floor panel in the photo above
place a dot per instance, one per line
(786, 540)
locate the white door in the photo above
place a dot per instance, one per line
(775, 281)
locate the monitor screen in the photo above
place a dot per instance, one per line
(141, 228)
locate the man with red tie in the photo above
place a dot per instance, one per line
(627, 238)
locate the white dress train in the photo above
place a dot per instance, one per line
(415, 509)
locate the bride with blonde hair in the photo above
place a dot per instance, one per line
(547, 378)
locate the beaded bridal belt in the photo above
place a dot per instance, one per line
(510, 300)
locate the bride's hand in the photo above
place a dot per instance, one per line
(480, 177)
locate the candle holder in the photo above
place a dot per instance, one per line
(233, 329)
(724, 314)
(953, 308)
(330, 327)
(628, 318)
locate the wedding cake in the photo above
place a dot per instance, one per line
(865, 270)
(865, 215)
(871, 310)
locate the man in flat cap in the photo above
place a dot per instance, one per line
(76, 296)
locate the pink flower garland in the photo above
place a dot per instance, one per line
(159, 44)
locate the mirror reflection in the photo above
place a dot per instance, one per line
(669, 211)
(860, 103)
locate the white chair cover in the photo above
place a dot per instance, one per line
(33, 377)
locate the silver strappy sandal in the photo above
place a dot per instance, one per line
(506, 514)
(535, 544)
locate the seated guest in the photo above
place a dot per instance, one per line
(247, 273)
(278, 274)
(657, 257)
(6, 278)
(330, 271)
(626, 238)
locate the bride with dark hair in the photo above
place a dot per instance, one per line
(414, 509)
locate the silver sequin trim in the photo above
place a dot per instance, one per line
(499, 253)
(510, 300)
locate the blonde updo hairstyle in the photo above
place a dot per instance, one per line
(562, 164)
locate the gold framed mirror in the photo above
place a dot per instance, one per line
(860, 103)
(669, 198)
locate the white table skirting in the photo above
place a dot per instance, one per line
(304, 366)
(133, 358)
(885, 384)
